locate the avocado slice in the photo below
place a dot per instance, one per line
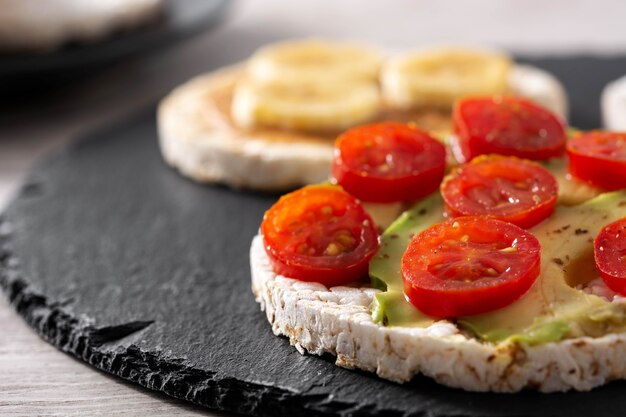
(572, 191)
(550, 311)
(390, 307)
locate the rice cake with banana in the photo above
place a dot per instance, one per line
(270, 123)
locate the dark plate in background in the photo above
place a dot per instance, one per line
(182, 18)
(116, 259)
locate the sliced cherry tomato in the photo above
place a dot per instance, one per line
(510, 189)
(387, 162)
(319, 233)
(468, 266)
(600, 158)
(506, 126)
(610, 254)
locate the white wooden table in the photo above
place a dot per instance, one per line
(36, 379)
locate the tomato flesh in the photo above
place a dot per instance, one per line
(610, 255)
(511, 189)
(506, 126)
(468, 266)
(600, 158)
(319, 233)
(387, 162)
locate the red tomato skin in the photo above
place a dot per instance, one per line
(524, 218)
(603, 172)
(525, 221)
(327, 276)
(381, 190)
(341, 269)
(609, 246)
(387, 189)
(440, 298)
(469, 143)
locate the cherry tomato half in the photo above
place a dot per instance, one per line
(468, 266)
(600, 158)
(510, 189)
(387, 162)
(610, 254)
(506, 126)
(319, 233)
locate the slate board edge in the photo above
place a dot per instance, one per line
(74, 336)
(79, 338)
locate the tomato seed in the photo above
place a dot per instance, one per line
(509, 249)
(332, 249)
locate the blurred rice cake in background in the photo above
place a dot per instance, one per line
(44, 25)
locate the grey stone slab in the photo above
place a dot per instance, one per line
(116, 259)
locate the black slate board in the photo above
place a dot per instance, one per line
(116, 259)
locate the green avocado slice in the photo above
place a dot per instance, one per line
(390, 307)
(571, 190)
(550, 311)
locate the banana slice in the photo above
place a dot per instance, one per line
(437, 77)
(304, 60)
(613, 105)
(306, 106)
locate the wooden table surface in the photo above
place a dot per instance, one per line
(35, 378)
